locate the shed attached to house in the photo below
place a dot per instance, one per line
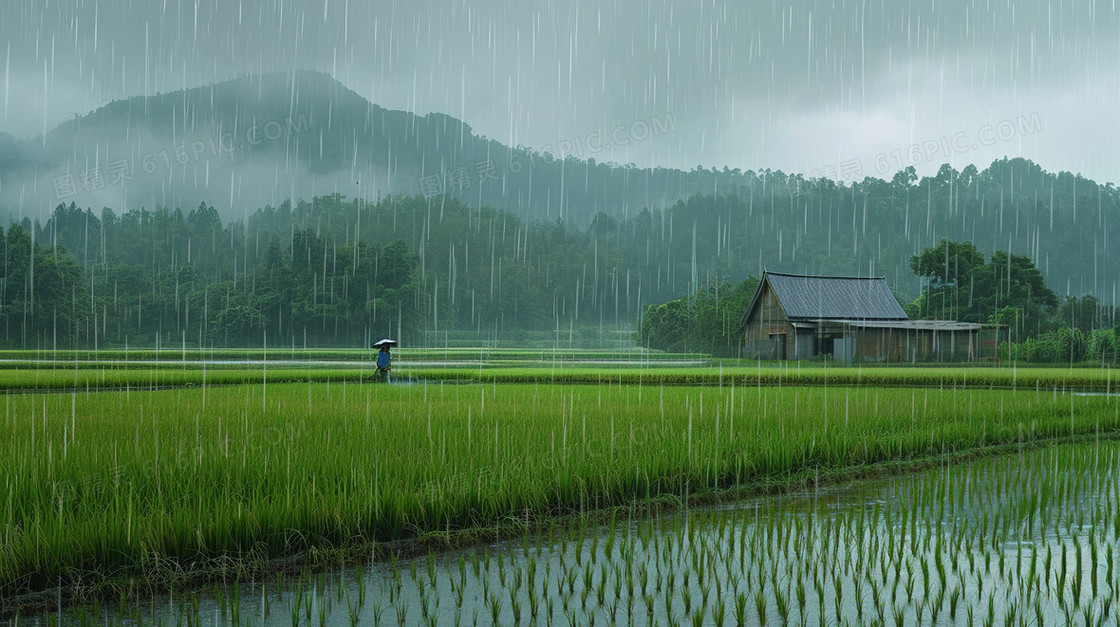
(794, 316)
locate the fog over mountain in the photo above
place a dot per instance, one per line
(261, 140)
(841, 89)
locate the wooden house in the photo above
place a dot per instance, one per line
(851, 319)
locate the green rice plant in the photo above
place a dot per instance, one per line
(534, 605)
(877, 601)
(838, 598)
(899, 615)
(428, 604)
(1088, 614)
(1110, 563)
(612, 611)
(1060, 588)
(858, 595)
(1049, 563)
(588, 580)
(601, 588)
(698, 617)
(494, 602)
(937, 603)
(485, 587)
(565, 600)
(1010, 614)
(760, 608)
(781, 600)
(719, 613)
(740, 609)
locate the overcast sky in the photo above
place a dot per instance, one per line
(835, 88)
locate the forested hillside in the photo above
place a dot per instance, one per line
(259, 139)
(334, 270)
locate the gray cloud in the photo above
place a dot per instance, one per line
(804, 88)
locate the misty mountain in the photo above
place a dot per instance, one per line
(260, 140)
(269, 156)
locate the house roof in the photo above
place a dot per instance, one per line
(830, 297)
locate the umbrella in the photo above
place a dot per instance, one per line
(384, 342)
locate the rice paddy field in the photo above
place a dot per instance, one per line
(148, 369)
(540, 487)
(1027, 538)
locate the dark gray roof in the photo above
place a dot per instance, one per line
(857, 298)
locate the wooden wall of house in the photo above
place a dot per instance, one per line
(988, 343)
(805, 344)
(767, 321)
(879, 344)
(889, 345)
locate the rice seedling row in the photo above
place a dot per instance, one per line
(58, 375)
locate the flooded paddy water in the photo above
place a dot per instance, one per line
(1022, 538)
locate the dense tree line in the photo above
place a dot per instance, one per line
(961, 285)
(334, 270)
(162, 277)
(706, 321)
(607, 270)
(1005, 289)
(43, 296)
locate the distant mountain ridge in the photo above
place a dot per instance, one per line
(255, 143)
(260, 140)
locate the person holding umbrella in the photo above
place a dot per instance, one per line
(384, 359)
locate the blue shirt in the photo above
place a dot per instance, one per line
(383, 359)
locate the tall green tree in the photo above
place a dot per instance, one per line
(704, 321)
(1007, 289)
(948, 270)
(43, 297)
